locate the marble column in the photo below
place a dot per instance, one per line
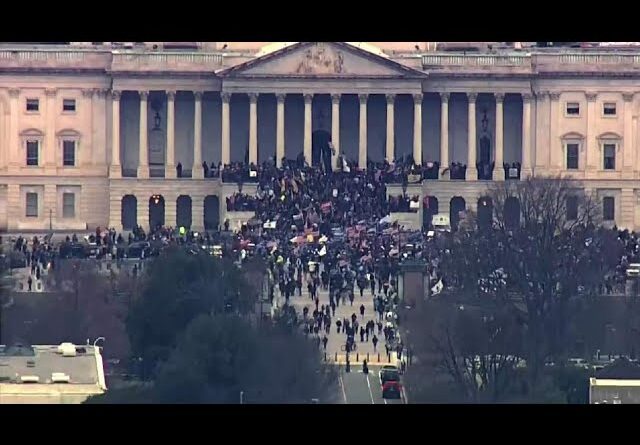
(197, 212)
(362, 140)
(444, 132)
(170, 211)
(170, 165)
(498, 171)
(253, 128)
(115, 169)
(50, 146)
(280, 153)
(335, 129)
(390, 151)
(13, 153)
(472, 171)
(627, 141)
(84, 157)
(226, 129)
(526, 136)
(594, 161)
(197, 170)
(417, 129)
(308, 99)
(143, 146)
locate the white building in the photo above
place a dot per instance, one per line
(90, 132)
(64, 374)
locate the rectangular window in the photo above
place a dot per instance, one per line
(572, 156)
(68, 205)
(609, 109)
(572, 208)
(69, 105)
(69, 153)
(573, 109)
(32, 205)
(32, 153)
(33, 105)
(608, 208)
(609, 156)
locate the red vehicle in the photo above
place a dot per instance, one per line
(392, 390)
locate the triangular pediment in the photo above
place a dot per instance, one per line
(322, 59)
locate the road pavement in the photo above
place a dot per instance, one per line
(360, 388)
(337, 341)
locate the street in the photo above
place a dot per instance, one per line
(360, 388)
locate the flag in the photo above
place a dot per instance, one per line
(323, 251)
(345, 166)
(437, 288)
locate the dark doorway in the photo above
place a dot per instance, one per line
(457, 207)
(129, 212)
(485, 150)
(211, 212)
(183, 211)
(156, 211)
(320, 152)
(511, 212)
(429, 208)
(485, 212)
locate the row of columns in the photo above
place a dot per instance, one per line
(143, 167)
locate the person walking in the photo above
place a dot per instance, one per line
(29, 282)
(362, 310)
(338, 325)
(333, 308)
(361, 334)
(325, 340)
(374, 340)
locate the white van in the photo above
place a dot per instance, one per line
(441, 222)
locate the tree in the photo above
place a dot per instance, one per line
(220, 356)
(177, 287)
(525, 273)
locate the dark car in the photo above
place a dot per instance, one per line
(73, 250)
(138, 250)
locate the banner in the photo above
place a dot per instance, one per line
(437, 288)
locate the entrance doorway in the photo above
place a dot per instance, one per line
(156, 211)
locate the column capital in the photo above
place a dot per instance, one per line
(226, 97)
(14, 92)
(591, 96)
(198, 95)
(363, 98)
(253, 97)
(627, 97)
(280, 97)
(335, 98)
(542, 95)
(472, 97)
(417, 99)
(144, 95)
(526, 97)
(88, 93)
(391, 99)
(171, 95)
(444, 97)
(115, 94)
(499, 97)
(554, 95)
(50, 92)
(308, 97)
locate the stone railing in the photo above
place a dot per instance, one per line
(468, 63)
(166, 61)
(587, 62)
(25, 59)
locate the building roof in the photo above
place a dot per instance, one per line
(42, 361)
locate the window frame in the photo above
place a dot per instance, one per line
(567, 145)
(75, 151)
(75, 105)
(611, 199)
(38, 143)
(566, 109)
(26, 105)
(569, 139)
(26, 204)
(615, 110)
(607, 144)
(64, 215)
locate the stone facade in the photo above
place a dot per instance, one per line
(91, 135)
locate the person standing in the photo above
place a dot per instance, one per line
(362, 310)
(374, 340)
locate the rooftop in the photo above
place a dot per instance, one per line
(43, 361)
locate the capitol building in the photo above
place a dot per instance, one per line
(92, 133)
